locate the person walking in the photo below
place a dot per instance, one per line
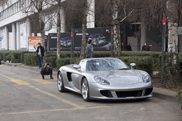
(128, 47)
(46, 70)
(149, 47)
(89, 49)
(144, 47)
(40, 54)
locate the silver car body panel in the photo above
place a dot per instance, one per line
(121, 82)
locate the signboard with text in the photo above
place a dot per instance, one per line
(33, 43)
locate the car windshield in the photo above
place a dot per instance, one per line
(105, 65)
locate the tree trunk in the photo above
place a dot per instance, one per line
(58, 28)
(172, 41)
(84, 30)
(116, 29)
(172, 69)
(42, 24)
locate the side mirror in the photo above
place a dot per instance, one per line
(132, 65)
(76, 66)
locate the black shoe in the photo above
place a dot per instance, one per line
(51, 78)
(43, 77)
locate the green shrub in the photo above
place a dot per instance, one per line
(6, 55)
(16, 56)
(51, 59)
(30, 59)
(66, 61)
(22, 56)
(180, 61)
(180, 97)
(142, 62)
(27, 59)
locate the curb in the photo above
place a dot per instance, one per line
(165, 97)
(160, 93)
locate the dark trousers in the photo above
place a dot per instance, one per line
(40, 59)
(42, 72)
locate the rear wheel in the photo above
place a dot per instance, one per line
(60, 83)
(85, 90)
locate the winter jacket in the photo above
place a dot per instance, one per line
(89, 51)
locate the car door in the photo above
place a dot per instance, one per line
(77, 75)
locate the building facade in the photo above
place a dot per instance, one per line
(16, 26)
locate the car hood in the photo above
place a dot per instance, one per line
(123, 77)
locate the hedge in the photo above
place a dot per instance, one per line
(142, 63)
(180, 97)
(12, 56)
(180, 61)
(66, 61)
(30, 59)
(19, 57)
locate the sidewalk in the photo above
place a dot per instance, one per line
(160, 93)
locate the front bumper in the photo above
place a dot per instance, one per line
(140, 91)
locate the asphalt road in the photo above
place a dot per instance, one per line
(24, 96)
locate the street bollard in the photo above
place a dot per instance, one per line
(0, 61)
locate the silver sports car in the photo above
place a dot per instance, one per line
(104, 78)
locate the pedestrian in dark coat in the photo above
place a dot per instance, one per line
(89, 49)
(144, 47)
(128, 47)
(40, 54)
(149, 47)
(46, 70)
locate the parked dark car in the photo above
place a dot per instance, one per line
(97, 39)
(66, 41)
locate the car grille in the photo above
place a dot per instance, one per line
(125, 94)
(129, 93)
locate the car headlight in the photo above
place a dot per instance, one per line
(101, 80)
(146, 78)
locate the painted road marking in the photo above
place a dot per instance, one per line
(55, 79)
(2, 65)
(20, 82)
(42, 81)
(59, 98)
(6, 77)
(47, 93)
(53, 110)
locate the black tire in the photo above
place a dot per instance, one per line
(85, 90)
(60, 83)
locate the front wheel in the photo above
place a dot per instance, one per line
(85, 90)
(60, 83)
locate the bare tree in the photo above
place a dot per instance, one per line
(78, 11)
(84, 28)
(153, 15)
(37, 6)
(59, 5)
(116, 29)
